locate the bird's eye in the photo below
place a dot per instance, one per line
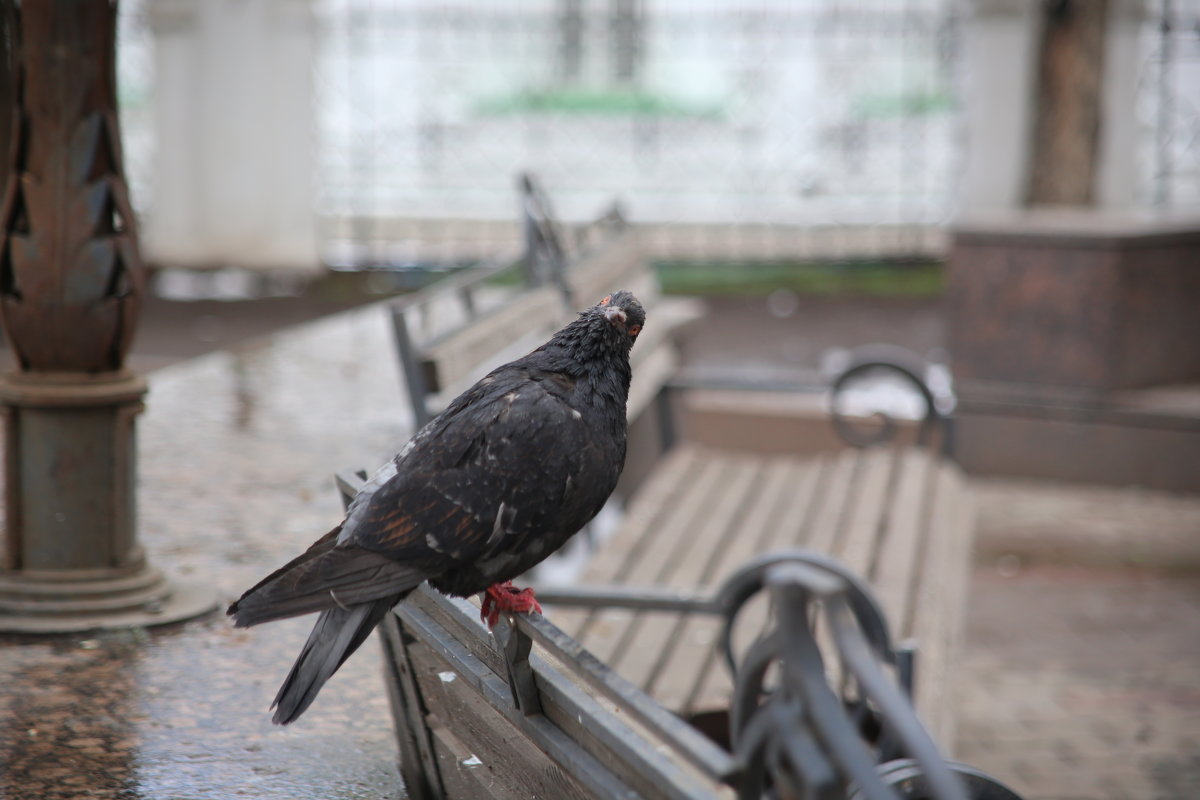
(607, 299)
(635, 329)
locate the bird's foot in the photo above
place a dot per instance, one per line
(501, 597)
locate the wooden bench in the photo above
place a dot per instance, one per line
(894, 510)
(898, 514)
(525, 711)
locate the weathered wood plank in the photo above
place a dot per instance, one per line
(658, 498)
(649, 639)
(788, 489)
(494, 692)
(829, 515)
(639, 737)
(646, 558)
(939, 601)
(793, 494)
(683, 741)
(958, 527)
(866, 509)
(513, 766)
(461, 353)
(408, 712)
(677, 681)
(898, 551)
(839, 488)
(579, 714)
(482, 647)
(614, 265)
(461, 776)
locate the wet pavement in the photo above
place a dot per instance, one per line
(236, 453)
(1083, 652)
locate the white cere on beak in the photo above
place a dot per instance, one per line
(614, 314)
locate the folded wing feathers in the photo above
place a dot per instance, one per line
(338, 577)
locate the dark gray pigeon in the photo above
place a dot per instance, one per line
(493, 485)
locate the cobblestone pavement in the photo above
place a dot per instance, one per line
(1083, 683)
(1082, 670)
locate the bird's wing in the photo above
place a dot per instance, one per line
(325, 575)
(496, 461)
(498, 464)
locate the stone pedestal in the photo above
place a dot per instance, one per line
(70, 559)
(1065, 329)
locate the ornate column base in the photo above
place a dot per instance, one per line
(69, 601)
(70, 559)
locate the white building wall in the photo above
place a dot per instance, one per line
(234, 164)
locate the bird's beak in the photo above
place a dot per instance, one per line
(614, 315)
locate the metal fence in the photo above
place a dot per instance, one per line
(724, 126)
(727, 128)
(1169, 106)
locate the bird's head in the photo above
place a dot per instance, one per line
(602, 333)
(623, 312)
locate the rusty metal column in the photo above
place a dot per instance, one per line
(71, 281)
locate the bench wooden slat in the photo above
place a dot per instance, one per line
(695, 657)
(650, 639)
(617, 265)
(712, 690)
(603, 631)
(450, 361)
(941, 585)
(858, 494)
(866, 510)
(885, 512)
(633, 765)
(830, 501)
(798, 504)
(896, 561)
(510, 772)
(608, 759)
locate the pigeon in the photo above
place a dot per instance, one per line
(502, 478)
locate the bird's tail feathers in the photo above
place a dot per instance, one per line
(338, 633)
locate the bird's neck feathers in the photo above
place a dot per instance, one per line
(594, 352)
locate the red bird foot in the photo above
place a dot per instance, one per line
(506, 597)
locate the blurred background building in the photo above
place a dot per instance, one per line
(290, 133)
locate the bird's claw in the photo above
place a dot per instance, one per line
(500, 597)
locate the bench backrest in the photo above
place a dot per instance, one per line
(452, 333)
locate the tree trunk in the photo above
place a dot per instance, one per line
(1069, 93)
